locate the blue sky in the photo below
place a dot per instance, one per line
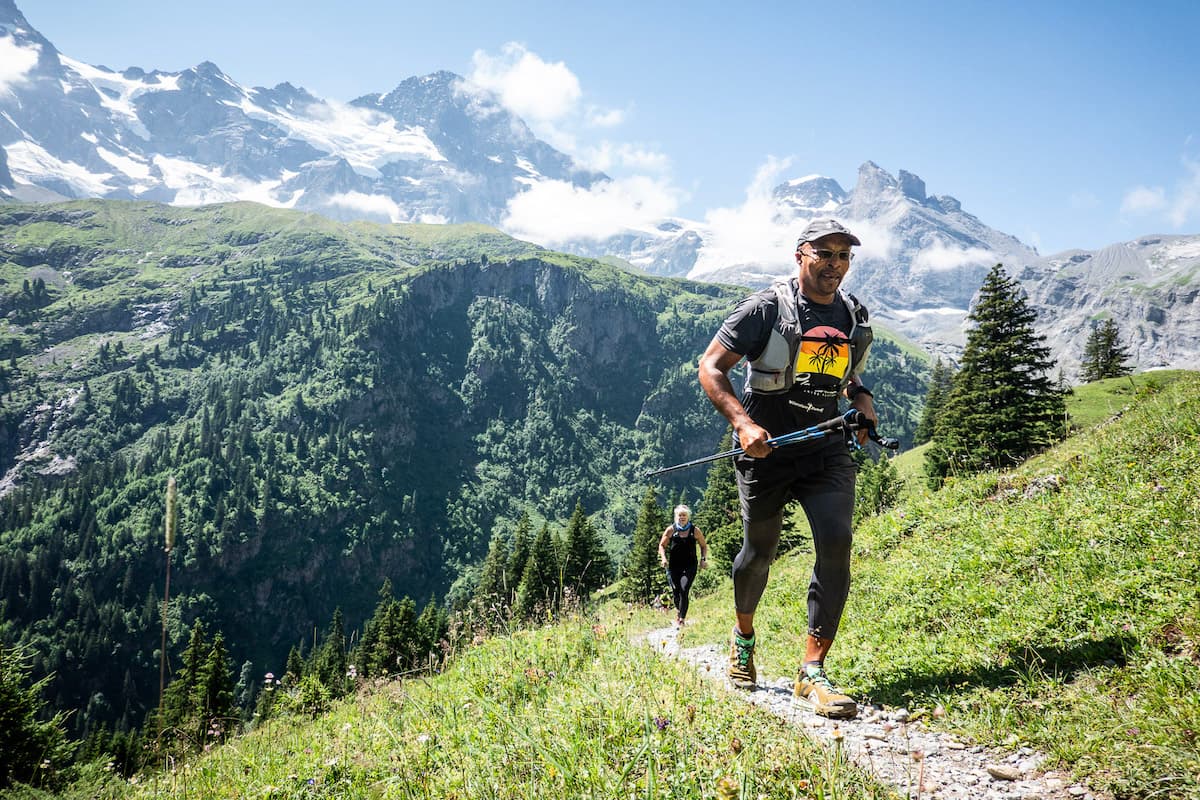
(1066, 124)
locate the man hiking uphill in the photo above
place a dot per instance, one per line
(805, 342)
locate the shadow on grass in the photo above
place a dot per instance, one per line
(1063, 661)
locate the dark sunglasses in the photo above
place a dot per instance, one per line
(845, 256)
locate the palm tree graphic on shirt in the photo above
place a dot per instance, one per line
(828, 354)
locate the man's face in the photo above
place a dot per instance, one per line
(823, 265)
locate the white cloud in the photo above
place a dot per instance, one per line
(375, 205)
(1178, 207)
(942, 256)
(763, 231)
(605, 118)
(549, 98)
(1144, 200)
(609, 155)
(551, 212)
(16, 62)
(759, 231)
(531, 88)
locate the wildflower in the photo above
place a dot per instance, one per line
(837, 734)
(939, 711)
(918, 754)
(736, 745)
(661, 723)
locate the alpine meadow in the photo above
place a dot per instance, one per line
(352, 413)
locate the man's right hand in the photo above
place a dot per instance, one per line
(753, 439)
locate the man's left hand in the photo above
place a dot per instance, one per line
(864, 403)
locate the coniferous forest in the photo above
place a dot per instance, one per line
(352, 413)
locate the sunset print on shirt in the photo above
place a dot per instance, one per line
(831, 356)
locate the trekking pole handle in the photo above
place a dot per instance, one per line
(856, 420)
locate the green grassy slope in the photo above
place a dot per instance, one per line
(576, 710)
(1057, 605)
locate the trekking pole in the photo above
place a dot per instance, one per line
(850, 421)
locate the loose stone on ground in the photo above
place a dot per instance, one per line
(889, 743)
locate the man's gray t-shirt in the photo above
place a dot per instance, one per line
(821, 365)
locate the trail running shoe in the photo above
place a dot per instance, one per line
(814, 689)
(741, 662)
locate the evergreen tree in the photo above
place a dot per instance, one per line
(1103, 355)
(181, 708)
(215, 693)
(518, 556)
(330, 660)
(491, 595)
(395, 646)
(586, 564)
(878, 485)
(540, 583)
(28, 738)
(1003, 405)
(243, 692)
(719, 516)
(430, 631)
(643, 578)
(293, 671)
(940, 382)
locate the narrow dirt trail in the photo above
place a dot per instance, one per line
(901, 751)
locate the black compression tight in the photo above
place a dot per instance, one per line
(824, 486)
(681, 579)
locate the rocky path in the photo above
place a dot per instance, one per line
(894, 746)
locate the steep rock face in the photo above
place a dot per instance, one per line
(1149, 286)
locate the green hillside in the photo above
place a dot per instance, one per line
(1057, 605)
(1054, 606)
(341, 404)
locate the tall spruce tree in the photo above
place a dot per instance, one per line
(181, 701)
(1003, 405)
(518, 557)
(491, 596)
(941, 381)
(34, 743)
(214, 693)
(330, 660)
(719, 516)
(540, 583)
(586, 564)
(1103, 355)
(643, 578)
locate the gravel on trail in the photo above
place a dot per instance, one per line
(893, 744)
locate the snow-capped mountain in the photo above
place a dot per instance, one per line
(436, 149)
(433, 149)
(923, 259)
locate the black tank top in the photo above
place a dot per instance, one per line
(682, 547)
